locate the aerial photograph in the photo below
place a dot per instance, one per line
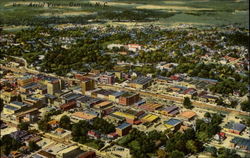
(124, 79)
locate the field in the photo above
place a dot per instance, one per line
(21, 13)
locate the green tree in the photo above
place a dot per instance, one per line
(207, 115)
(33, 146)
(43, 125)
(23, 126)
(191, 145)
(65, 122)
(187, 103)
(245, 105)
(176, 154)
(1, 105)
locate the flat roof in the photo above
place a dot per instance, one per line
(172, 122)
(105, 92)
(103, 104)
(241, 142)
(17, 103)
(171, 108)
(125, 115)
(150, 118)
(71, 96)
(235, 126)
(188, 114)
(83, 115)
(142, 80)
(124, 125)
(10, 107)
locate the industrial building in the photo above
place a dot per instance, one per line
(141, 83)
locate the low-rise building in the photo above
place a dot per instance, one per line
(123, 129)
(241, 143)
(173, 124)
(187, 115)
(170, 111)
(150, 106)
(83, 116)
(129, 98)
(236, 128)
(141, 82)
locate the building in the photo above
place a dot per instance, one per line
(14, 107)
(103, 108)
(150, 106)
(70, 152)
(53, 124)
(123, 129)
(87, 85)
(88, 154)
(134, 47)
(53, 86)
(130, 118)
(170, 111)
(86, 101)
(173, 124)
(19, 135)
(44, 154)
(7, 96)
(94, 134)
(30, 115)
(240, 143)
(236, 128)
(187, 115)
(149, 118)
(68, 106)
(69, 97)
(103, 93)
(83, 116)
(107, 79)
(129, 98)
(25, 80)
(115, 96)
(141, 82)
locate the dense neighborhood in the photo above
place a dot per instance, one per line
(115, 92)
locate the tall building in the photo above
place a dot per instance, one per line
(53, 86)
(87, 85)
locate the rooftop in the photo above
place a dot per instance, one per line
(235, 126)
(188, 114)
(83, 115)
(241, 142)
(124, 125)
(142, 80)
(172, 122)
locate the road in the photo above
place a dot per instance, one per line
(197, 104)
(178, 99)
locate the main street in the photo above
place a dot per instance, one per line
(197, 104)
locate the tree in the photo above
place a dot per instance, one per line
(191, 145)
(43, 125)
(207, 115)
(33, 146)
(161, 153)
(176, 154)
(187, 103)
(1, 105)
(23, 126)
(245, 105)
(65, 122)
